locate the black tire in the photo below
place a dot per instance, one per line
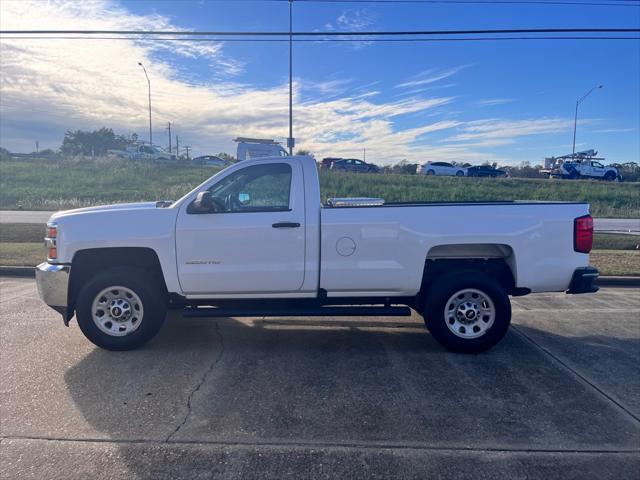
(144, 286)
(431, 172)
(441, 292)
(459, 173)
(610, 177)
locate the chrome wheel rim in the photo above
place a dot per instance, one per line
(117, 311)
(469, 313)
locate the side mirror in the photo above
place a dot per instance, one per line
(203, 202)
(244, 198)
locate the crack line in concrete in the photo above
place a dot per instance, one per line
(576, 374)
(345, 445)
(199, 385)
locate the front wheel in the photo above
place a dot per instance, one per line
(611, 177)
(430, 172)
(121, 309)
(459, 173)
(467, 311)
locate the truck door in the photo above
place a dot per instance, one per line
(253, 241)
(597, 169)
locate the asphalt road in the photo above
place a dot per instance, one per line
(616, 225)
(297, 398)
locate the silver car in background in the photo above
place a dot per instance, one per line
(442, 169)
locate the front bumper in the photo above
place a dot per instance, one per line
(583, 280)
(53, 286)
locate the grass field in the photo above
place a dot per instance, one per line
(616, 262)
(36, 184)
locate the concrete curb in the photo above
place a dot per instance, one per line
(618, 281)
(602, 281)
(17, 271)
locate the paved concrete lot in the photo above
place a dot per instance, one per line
(324, 398)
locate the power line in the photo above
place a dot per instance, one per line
(623, 3)
(610, 3)
(318, 40)
(323, 34)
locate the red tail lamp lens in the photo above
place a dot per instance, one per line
(583, 234)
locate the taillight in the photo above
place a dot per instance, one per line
(583, 234)
(50, 241)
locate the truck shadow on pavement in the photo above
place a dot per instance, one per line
(324, 393)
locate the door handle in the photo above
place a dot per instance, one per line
(286, 225)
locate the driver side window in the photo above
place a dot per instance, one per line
(258, 188)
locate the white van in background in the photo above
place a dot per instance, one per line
(249, 148)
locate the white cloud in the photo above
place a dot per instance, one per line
(492, 132)
(616, 130)
(355, 20)
(490, 102)
(429, 76)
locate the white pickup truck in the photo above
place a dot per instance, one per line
(255, 240)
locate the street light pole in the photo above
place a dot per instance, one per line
(575, 119)
(149, 84)
(290, 140)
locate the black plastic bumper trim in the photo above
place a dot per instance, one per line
(584, 280)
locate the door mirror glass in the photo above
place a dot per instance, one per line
(203, 202)
(244, 198)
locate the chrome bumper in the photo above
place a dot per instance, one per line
(53, 286)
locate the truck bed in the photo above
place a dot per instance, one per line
(388, 244)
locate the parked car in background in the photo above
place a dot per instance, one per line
(353, 165)
(442, 168)
(144, 152)
(485, 171)
(211, 160)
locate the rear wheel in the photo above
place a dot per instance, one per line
(459, 173)
(121, 309)
(467, 311)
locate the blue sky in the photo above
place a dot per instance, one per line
(473, 101)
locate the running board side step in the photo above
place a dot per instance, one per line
(355, 311)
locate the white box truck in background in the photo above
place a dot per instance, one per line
(249, 148)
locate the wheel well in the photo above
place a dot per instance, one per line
(87, 262)
(497, 268)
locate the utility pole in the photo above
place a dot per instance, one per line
(37, 146)
(169, 127)
(364, 154)
(149, 84)
(291, 141)
(177, 147)
(187, 148)
(575, 119)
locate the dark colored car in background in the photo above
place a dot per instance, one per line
(485, 171)
(353, 165)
